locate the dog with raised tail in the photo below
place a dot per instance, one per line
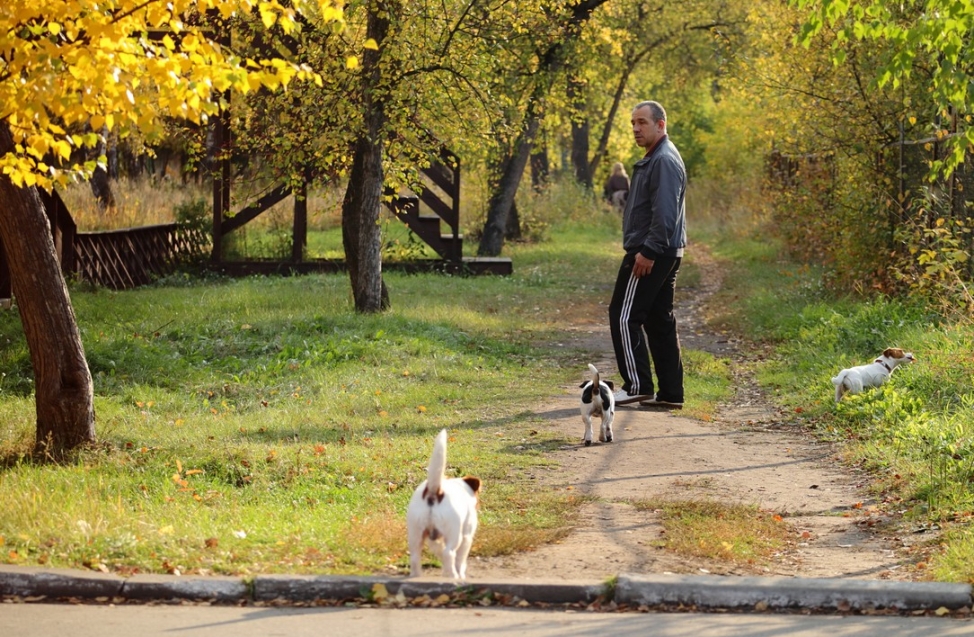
(444, 512)
(598, 401)
(855, 379)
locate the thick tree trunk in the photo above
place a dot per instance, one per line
(361, 232)
(583, 174)
(63, 391)
(513, 230)
(101, 187)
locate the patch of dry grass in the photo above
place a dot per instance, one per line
(737, 533)
(148, 201)
(507, 537)
(139, 202)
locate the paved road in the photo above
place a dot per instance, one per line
(37, 620)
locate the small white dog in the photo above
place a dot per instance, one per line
(445, 512)
(855, 379)
(598, 401)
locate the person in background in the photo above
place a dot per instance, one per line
(616, 188)
(654, 235)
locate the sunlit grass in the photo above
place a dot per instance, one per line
(913, 435)
(734, 533)
(261, 425)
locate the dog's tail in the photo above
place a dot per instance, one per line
(839, 382)
(436, 470)
(595, 377)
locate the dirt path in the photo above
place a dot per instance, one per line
(744, 456)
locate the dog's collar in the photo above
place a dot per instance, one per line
(883, 363)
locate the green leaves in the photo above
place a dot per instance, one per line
(932, 37)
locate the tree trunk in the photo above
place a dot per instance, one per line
(540, 168)
(499, 206)
(583, 174)
(580, 131)
(361, 232)
(551, 63)
(101, 185)
(602, 149)
(63, 392)
(513, 230)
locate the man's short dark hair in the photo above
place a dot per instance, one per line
(655, 108)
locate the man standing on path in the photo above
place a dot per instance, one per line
(653, 235)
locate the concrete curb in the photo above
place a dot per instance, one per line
(781, 592)
(35, 582)
(160, 587)
(309, 588)
(632, 590)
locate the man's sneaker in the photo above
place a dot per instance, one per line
(656, 402)
(625, 398)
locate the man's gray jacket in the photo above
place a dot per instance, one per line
(654, 221)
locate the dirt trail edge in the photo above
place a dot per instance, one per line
(744, 456)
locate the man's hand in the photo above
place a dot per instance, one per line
(642, 266)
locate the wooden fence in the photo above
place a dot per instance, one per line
(122, 259)
(116, 259)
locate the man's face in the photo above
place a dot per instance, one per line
(644, 129)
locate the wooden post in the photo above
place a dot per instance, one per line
(299, 239)
(221, 182)
(222, 146)
(6, 294)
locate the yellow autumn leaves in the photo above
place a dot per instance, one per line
(352, 61)
(74, 70)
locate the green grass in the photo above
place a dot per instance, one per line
(915, 435)
(261, 425)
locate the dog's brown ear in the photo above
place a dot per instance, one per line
(611, 385)
(893, 352)
(473, 482)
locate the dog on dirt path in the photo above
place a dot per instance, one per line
(444, 512)
(855, 379)
(597, 401)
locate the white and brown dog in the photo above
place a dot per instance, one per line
(443, 511)
(854, 379)
(597, 401)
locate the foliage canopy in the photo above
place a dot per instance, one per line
(72, 70)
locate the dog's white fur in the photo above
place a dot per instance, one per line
(597, 401)
(854, 379)
(444, 511)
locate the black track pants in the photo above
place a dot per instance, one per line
(642, 325)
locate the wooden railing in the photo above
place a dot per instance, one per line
(116, 259)
(122, 259)
(438, 202)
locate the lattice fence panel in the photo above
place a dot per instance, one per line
(122, 259)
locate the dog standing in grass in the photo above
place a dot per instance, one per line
(444, 511)
(598, 401)
(854, 379)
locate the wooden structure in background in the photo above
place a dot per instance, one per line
(115, 259)
(425, 213)
(121, 259)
